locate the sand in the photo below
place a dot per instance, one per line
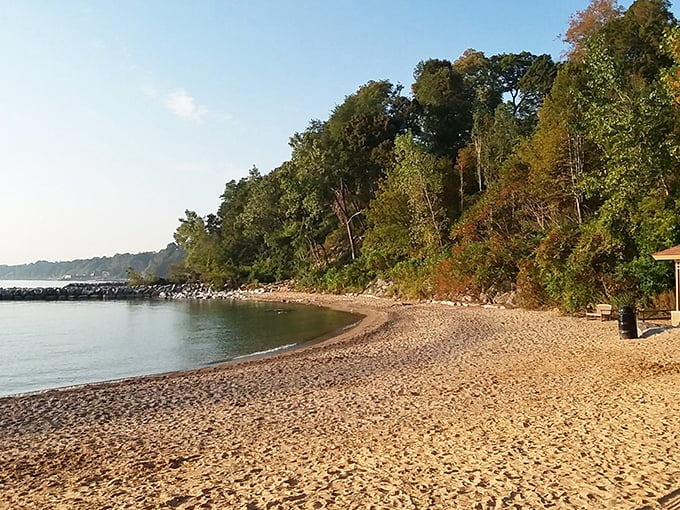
(422, 406)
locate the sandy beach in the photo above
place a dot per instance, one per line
(421, 406)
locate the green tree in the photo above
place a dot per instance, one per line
(201, 247)
(525, 79)
(479, 76)
(445, 104)
(408, 217)
(625, 116)
(339, 163)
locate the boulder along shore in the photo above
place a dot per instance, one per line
(122, 291)
(420, 406)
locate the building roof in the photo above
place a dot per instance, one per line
(669, 254)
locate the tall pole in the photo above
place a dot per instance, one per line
(677, 285)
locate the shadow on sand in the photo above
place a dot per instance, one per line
(647, 330)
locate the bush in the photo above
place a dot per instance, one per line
(664, 300)
(531, 293)
(353, 277)
(414, 278)
(482, 266)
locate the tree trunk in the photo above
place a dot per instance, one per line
(341, 210)
(478, 155)
(576, 157)
(433, 217)
(461, 189)
(348, 225)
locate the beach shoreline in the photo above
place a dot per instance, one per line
(368, 319)
(421, 405)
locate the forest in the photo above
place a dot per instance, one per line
(508, 173)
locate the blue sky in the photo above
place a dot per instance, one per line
(117, 116)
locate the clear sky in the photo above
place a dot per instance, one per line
(116, 116)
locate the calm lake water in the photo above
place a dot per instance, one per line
(46, 345)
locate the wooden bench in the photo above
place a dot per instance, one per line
(602, 312)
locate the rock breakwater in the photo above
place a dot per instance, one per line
(107, 291)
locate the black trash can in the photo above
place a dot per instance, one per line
(627, 322)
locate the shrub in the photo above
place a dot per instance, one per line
(531, 293)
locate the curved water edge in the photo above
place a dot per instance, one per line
(57, 345)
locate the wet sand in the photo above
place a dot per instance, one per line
(422, 406)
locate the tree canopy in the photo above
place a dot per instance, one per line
(495, 174)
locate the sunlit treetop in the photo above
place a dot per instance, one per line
(585, 23)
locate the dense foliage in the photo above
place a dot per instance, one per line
(496, 173)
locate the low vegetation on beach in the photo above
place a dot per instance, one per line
(497, 173)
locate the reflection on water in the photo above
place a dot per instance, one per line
(55, 344)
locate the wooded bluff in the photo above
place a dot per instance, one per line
(120, 266)
(509, 172)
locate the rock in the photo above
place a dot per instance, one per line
(378, 287)
(505, 298)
